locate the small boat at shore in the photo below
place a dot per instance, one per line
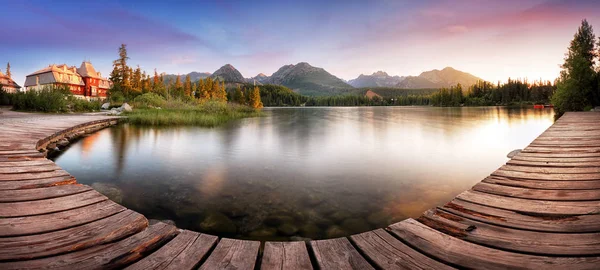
(541, 106)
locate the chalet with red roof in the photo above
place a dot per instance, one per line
(83, 82)
(8, 84)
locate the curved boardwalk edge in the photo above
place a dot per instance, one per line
(540, 210)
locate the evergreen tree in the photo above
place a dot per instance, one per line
(254, 98)
(238, 96)
(8, 73)
(120, 73)
(577, 81)
(187, 87)
(136, 80)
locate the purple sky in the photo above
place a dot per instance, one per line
(490, 39)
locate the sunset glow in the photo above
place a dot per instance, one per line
(490, 39)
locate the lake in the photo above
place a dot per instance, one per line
(300, 173)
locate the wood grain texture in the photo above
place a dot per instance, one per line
(469, 255)
(108, 256)
(233, 254)
(338, 253)
(84, 236)
(539, 194)
(29, 208)
(285, 255)
(389, 253)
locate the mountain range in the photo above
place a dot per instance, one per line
(315, 81)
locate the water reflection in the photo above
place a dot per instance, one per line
(303, 172)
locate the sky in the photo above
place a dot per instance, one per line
(493, 40)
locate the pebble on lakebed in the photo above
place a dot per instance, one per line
(109, 190)
(513, 153)
(218, 223)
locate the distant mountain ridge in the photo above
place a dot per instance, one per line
(377, 79)
(229, 74)
(194, 76)
(308, 80)
(446, 77)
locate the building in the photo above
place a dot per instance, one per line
(83, 82)
(8, 84)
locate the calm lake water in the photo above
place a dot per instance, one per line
(302, 172)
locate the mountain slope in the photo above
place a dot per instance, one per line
(308, 80)
(194, 76)
(446, 77)
(377, 79)
(228, 73)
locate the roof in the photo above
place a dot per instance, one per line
(7, 81)
(54, 74)
(87, 70)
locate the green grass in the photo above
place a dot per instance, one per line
(209, 114)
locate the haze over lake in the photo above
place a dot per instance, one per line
(303, 172)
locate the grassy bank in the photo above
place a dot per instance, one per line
(152, 110)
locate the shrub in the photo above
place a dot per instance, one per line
(81, 105)
(149, 100)
(49, 99)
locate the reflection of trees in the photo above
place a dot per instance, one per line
(121, 136)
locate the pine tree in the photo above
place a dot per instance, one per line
(120, 73)
(577, 79)
(8, 73)
(136, 80)
(254, 98)
(238, 96)
(178, 82)
(187, 87)
(215, 90)
(156, 81)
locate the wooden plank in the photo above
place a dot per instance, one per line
(19, 209)
(107, 256)
(513, 219)
(539, 194)
(338, 253)
(58, 221)
(552, 164)
(388, 253)
(547, 176)
(542, 243)
(163, 256)
(550, 170)
(30, 169)
(26, 163)
(38, 183)
(32, 176)
(102, 231)
(468, 255)
(285, 255)
(41, 193)
(233, 254)
(533, 207)
(191, 256)
(541, 184)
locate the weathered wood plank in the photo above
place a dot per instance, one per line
(30, 169)
(533, 207)
(105, 230)
(542, 243)
(29, 208)
(26, 163)
(468, 255)
(514, 219)
(32, 176)
(233, 254)
(163, 256)
(107, 256)
(58, 221)
(191, 256)
(41, 193)
(285, 255)
(38, 183)
(539, 194)
(338, 253)
(547, 176)
(542, 184)
(552, 164)
(389, 253)
(551, 170)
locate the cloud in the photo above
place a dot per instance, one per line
(457, 29)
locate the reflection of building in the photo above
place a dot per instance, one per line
(83, 81)
(8, 84)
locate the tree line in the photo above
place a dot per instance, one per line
(129, 83)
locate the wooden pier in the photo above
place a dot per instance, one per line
(539, 211)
